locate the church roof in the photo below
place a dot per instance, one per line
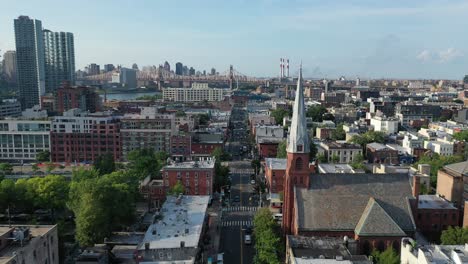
(337, 202)
(298, 135)
(375, 221)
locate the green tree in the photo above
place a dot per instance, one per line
(105, 164)
(454, 236)
(462, 135)
(203, 119)
(43, 156)
(50, 192)
(35, 168)
(268, 238)
(5, 168)
(358, 163)
(50, 167)
(437, 162)
(316, 112)
(180, 113)
(338, 133)
(389, 256)
(368, 137)
(146, 162)
(279, 114)
(313, 150)
(256, 166)
(150, 97)
(177, 189)
(220, 154)
(281, 152)
(335, 159)
(321, 158)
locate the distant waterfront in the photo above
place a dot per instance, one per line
(127, 96)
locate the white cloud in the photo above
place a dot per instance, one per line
(424, 55)
(449, 54)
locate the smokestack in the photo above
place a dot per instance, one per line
(287, 67)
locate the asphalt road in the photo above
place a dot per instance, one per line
(234, 218)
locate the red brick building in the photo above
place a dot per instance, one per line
(153, 191)
(196, 176)
(82, 97)
(267, 149)
(84, 138)
(379, 153)
(275, 170)
(181, 147)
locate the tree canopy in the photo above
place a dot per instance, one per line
(316, 112)
(389, 256)
(437, 162)
(462, 135)
(454, 236)
(281, 152)
(279, 114)
(105, 164)
(338, 133)
(177, 189)
(43, 156)
(146, 162)
(268, 242)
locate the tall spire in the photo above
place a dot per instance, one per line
(298, 140)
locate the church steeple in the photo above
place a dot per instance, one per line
(298, 140)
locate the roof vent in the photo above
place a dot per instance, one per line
(339, 258)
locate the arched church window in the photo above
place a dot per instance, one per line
(299, 164)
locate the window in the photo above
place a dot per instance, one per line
(299, 164)
(299, 147)
(178, 175)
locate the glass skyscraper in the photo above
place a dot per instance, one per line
(59, 59)
(29, 60)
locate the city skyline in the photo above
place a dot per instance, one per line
(360, 38)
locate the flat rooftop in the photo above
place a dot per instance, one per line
(337, 168)
(428, 201)
(206, 164)
(275, 163)
(182, 221)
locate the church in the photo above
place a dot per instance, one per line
(373, 209)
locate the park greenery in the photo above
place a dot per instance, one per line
(454, 236)
(462, 135)
(150, 97)
(388, 256)
(268, 243)
(316, 112)
(146, 162)
(43, 156)
(338, 133)
(437, 162)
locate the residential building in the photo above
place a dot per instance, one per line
(440, 147)
(260, 119)
(9, 65)
(10, 109)
(147, 130)
(204, 143)
(82, 97)
(383, 124)
(434, 214)
(407, 111)
(193, 94)
(267, 139)
(317, 250)
(59, 59)
(337, 168)
(153, 191)
(21, 140)
(380, 153)
(29, 60)
(177, 236)
(314, 93)
(196, 176)
(338, 152)
(29, 244)
(372, 209)
(80, 137)
(411, 142)
(412, 253)
(181, 147)
(461, 116)
(452, 183)
(324, 133)
(274, 174)
(334, 98)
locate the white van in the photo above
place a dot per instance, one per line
(248, 239)
(278, 217)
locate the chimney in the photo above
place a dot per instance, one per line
(287, 67)
(416, 187)
(281, 67)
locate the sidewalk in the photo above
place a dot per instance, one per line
(214, 230)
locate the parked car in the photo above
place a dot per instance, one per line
(252, 182)
(248, 239)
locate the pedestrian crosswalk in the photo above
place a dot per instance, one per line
(240, 209)
(237, 223)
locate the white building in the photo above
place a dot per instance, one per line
(126, 77)
(198, 93)
(411, 253)
(21, 140)
(343, 152)
(411, 141)
(34, 112)
(443, 148)
(10, 109)
(175, 238)
(77, 121)
(263, 132)
(382, 124)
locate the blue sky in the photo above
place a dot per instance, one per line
(369, 38)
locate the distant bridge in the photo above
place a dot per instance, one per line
(159, 74)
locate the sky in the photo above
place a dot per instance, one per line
(367, 39)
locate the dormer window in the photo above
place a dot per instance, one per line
(299, 148)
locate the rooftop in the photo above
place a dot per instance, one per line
(438, 254)
(338, 145)
(434, 202)
(460, 167)
(182, 221)
(336, 168)
(205, 164)
(376, 146)
(275, 163)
